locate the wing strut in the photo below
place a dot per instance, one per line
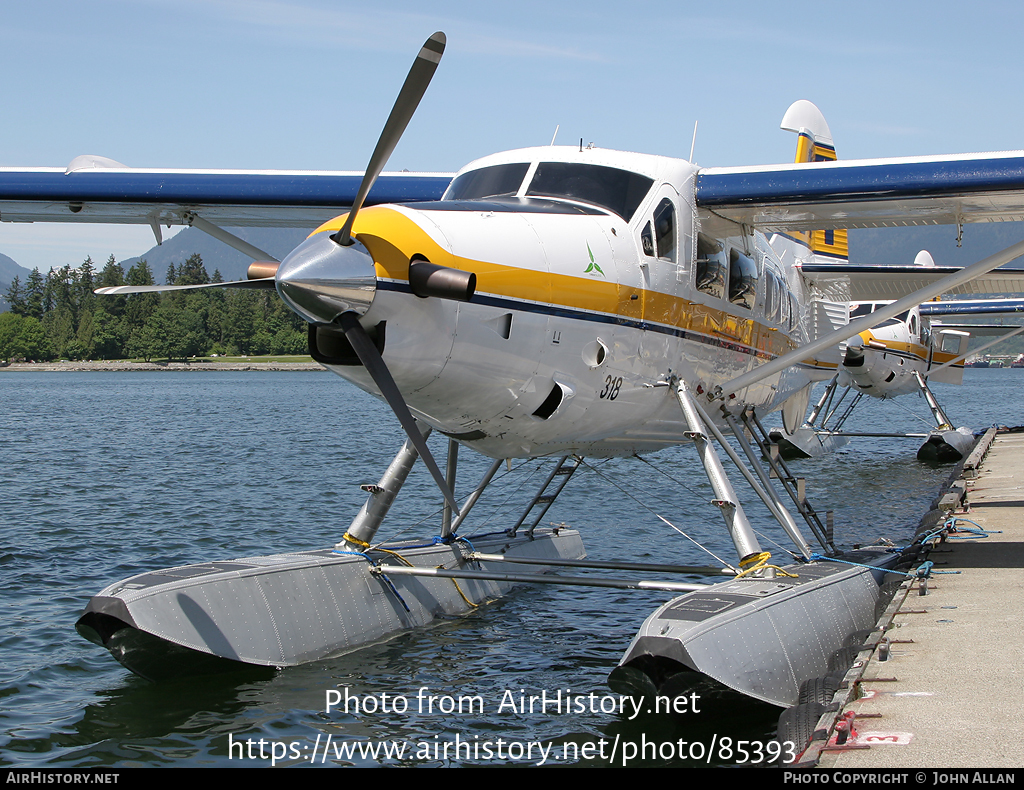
(230, 239)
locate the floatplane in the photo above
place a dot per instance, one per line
(895, 357)
(562, 302)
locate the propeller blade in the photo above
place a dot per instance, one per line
(374, 364)
(408, 100)
(264, 283)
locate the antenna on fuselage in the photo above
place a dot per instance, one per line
(555, 134)
(693, 142)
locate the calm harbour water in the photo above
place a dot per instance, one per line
(106, 475)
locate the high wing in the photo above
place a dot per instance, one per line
(877, 283)
(867, 193)
(94, 189)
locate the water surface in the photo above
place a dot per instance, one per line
(106, 475)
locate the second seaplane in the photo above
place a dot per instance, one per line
(554, 301)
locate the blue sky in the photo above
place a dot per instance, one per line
(307, 84)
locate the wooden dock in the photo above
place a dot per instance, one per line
(950, 693)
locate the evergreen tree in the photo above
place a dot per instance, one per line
(16, 297)
(35, 287)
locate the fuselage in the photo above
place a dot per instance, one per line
(886, 361)
(594, 282)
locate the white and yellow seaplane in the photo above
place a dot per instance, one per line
(894, 357)
(551, 301)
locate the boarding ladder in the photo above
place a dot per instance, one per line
(548, 492)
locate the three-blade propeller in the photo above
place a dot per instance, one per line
(408, 100)
(332, 280)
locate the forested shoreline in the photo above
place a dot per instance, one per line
(57, 316)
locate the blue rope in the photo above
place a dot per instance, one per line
(383, 576)
(980, 532)
(826, 558)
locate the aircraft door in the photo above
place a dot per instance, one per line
(666, 248)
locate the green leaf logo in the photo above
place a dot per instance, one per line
(593, 267)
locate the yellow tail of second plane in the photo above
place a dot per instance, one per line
(814, 144)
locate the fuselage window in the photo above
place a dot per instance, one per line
(665, 228)
(776, 297)
(494, 181)
(617, 190)
(742, 280)
(794, 311)
(711, 267)
(771, 296)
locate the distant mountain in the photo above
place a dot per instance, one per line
(216, 255)
(8, 271)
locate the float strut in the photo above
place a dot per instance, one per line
(451, 469)
(941, 420)
(736, 522)
(364, 526)
(775, 505)
(468, 505)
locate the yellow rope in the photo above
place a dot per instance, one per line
(395, 554)
(756, 562)
(464, 598)
(349, 539)
(440, 567)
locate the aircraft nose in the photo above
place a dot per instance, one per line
(321, 279)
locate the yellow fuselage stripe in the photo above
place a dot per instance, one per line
(392, 238)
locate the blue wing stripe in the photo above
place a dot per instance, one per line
(826, 183)
(198, 189)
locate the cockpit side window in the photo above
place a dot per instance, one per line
(494, 181)
(617, 190)
(665, 228)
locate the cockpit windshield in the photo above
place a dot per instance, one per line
(494, 181)
(867, 308)
(617, 190)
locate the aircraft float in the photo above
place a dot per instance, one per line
(562, 302)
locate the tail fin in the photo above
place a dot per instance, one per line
(814, 144)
